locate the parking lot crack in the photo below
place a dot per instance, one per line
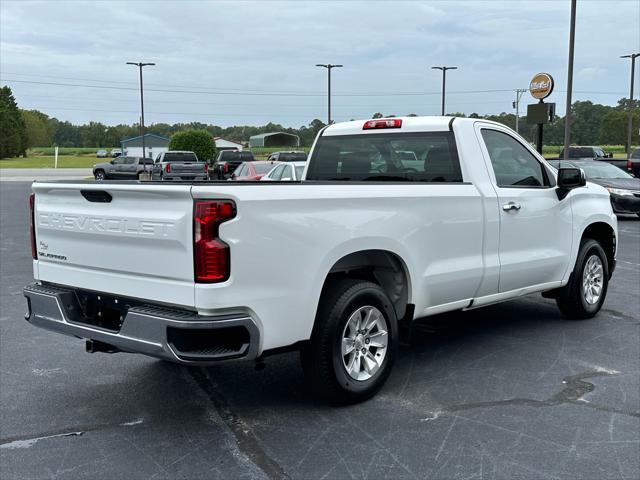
(245, 438)
(575, 388)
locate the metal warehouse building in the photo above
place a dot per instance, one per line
(275, 139)
(154, 144)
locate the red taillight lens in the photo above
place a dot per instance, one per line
(32, 225)
(167, 168)
(630, 165)
(211, 255)
(386, 123)
(226, 167)
(206, 168)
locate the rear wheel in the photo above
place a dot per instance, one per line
(584, 295)
(99, 175)
(353, 344)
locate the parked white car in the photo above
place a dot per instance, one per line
(374, 239)
(285, 172)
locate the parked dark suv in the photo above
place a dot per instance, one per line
(294, 156)
(227, 161)
(122, 168)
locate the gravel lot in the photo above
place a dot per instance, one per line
(509, 391)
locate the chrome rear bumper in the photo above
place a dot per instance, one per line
(177, 335)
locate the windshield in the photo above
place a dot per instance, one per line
(263, 167)
(603, 170)
(594, 169)
(409, 157)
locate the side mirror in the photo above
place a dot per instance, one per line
(609, 155)
(111, 162)
(568, 179)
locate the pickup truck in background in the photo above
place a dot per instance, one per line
(373, 241)
(227, 161)
(122, 168)
(597, 153)
(179, 165)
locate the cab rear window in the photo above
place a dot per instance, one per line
(180, 157)
(410, 157)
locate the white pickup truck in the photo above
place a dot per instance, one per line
(396, 219)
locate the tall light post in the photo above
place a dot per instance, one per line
(444, 81)
(567, 114)
(140, 65)
(328, 66)
(629, 122)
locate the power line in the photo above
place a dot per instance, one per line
(387, 94)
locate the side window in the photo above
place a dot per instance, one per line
(118, 160)
(129, 160)
(513, 165)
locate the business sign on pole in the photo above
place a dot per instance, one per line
(541, 86)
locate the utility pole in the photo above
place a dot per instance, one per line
(328, 66)
(140, 65)
(629, 122)
(516, 105)
(444, 81)
(567, 114)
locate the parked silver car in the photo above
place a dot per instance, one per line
(122, 168)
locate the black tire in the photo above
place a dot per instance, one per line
(99, 175)
(572, 299)
(322, 359)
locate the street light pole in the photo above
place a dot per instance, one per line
(444, 81)
(328, 66)
(140, 65)
(516, 105)
(567, 114)
(629, 122)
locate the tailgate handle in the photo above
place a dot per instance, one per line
(99, 196)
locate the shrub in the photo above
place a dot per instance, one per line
(198, 141)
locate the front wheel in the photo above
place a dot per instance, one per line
(584, 295)
(353, 343)
(99, 175)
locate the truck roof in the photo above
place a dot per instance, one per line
(409, 124)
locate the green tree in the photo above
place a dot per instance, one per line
(39, 128)
(13, 133)
(198, 141)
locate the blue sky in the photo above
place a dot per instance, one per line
(235, 63)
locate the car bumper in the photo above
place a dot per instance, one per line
(176, 335)
(625, 203)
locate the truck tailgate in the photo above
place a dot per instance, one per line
(186, 168)
(127, 239)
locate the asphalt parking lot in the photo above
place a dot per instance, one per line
(509, 391)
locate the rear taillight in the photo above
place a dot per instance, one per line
(226, 167)
(206, 168)
(210, 254)
(167, 168)
(386, 123)
(630, 165)
(32, 225)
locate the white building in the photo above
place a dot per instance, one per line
(224, 144)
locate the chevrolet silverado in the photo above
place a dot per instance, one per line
(372, 239)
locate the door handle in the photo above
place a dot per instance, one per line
(511, 206)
